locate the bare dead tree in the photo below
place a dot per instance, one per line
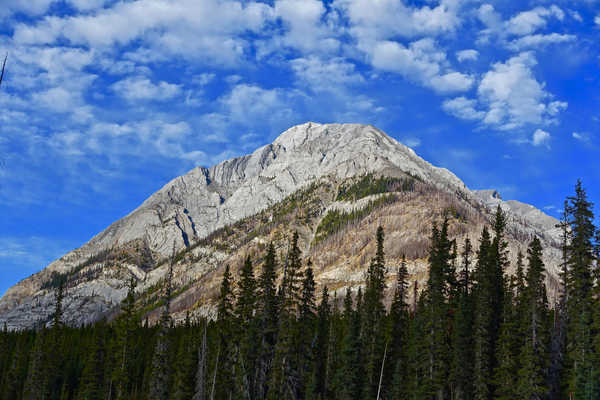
(3, 68)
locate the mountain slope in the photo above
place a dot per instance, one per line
(310, 162)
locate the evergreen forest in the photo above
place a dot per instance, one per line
(472, 332)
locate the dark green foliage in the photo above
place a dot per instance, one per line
(470, 334)
(369, 185)
(335, 221)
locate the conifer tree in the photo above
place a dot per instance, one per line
(185, 368)
(317, 388)
(462, 341)
(373, 322)
(483, 344)
(92, 378)
(399, 318)
(200, 377)
(126, 325)
(532, 383)
(36, 383)
(247, 329)
(160, 368)
(223, 384)
(268, 314)
(284, 382)
(580, 255)
(437, 309)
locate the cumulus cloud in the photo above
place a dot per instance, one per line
(467, 55)
(325, 74)
(540, 138)
(519, 31)
(539, 40)
(527, 22)
(162, 26)
(463, 108)
(384, 19)
(597, 20)
(251, 102)
(141, 88)
(421, 62)
(509, 97)
(303, 26)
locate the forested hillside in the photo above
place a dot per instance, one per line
(473, 331)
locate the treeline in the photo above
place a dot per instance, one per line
(473, 332)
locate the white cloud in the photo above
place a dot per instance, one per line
(141, 88)
(451, 82)
(421, 62)
(325, 74)
(540, 138)
(384, 19)
(303, 25)
(463, 108)
(527, 22)
(248, 103)
(578, 136)
(513, 96)
(539, 40)
(208, 30)
(30, 7)
(509, 97)
(467, 55)
(597, 19)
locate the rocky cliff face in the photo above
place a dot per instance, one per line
(309, 162)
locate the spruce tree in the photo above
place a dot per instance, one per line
(532, 382)
(268, 315)
(580, 256)
(398, 332)
(317, 388)
(247, 326)
(223, 383)
(160, 367)
(373, 322)
(462, 341)
(483, 344)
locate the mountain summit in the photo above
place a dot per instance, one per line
(312, 162)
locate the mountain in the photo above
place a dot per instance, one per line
(333, 183)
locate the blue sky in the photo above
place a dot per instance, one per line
(105, 101)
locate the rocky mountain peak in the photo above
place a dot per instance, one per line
(193, 206)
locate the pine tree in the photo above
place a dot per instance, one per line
(268, 314)
(398, 331)
(438, 290)
(462, 367)
(126, 325)
(317, 388)
(160, 369)
(483, 345)
(92, 378)
(247, 329)
(185, 367)
(223, 384)
(580, 255)
(284, 381)
(373, 322)
(532, 382)
(200, 377)
(351, 374)
(305, 328)
(36, 384)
